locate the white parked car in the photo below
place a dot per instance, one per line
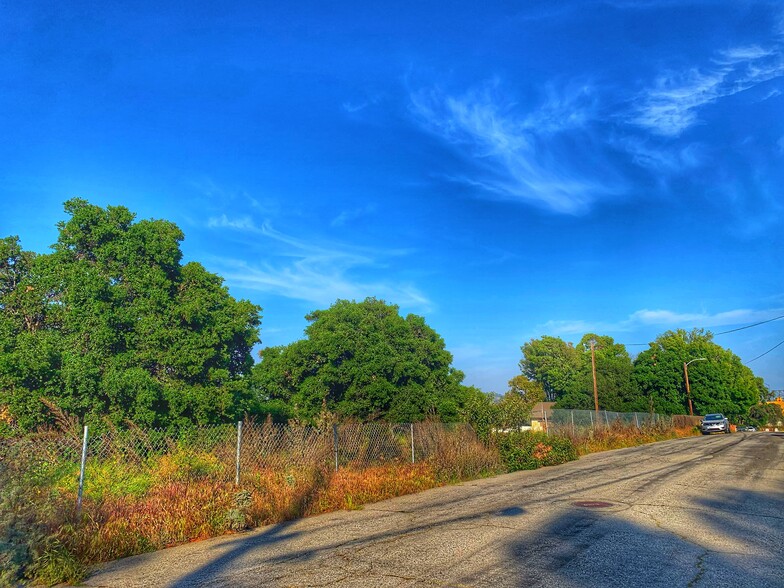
(715, 423)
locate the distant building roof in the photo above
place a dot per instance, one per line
(542, 409)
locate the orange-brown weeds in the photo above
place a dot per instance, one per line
(350, 489)
(619, 436)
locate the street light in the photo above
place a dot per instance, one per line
(686, 375)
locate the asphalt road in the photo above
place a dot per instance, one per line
(693, 512)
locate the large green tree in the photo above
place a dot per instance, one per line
(616, 390)
(719, 382)
(554, 363)
(111, 324)
(514, 408)
(363, 360)
(566, 372)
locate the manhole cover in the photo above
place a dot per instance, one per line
(593, 504)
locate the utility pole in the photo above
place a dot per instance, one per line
(686, 376)
(593, 371)
(688, 390)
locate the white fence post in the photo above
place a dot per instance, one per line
(413, 460)
(335, 443)
(239, 446)
(81, 474)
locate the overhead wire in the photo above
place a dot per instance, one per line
(768, 351)
(755, 325)
(749, 326)
(733, 331)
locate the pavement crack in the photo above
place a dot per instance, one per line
(700, 564)
(709, 510)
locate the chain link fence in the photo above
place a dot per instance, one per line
(232, 452)
(575, 422)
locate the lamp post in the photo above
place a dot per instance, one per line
(686, 376)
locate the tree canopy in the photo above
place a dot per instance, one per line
(654, 381)
(719, 383)
(363, 360)
(553, 363)
(111, 324)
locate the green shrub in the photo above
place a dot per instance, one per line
(105, 478)
(529, 451)
(31, 512)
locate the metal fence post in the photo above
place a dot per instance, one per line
(81, 474)
(590, 414)
(572, 413)
(239, 446)
(335, 443)
(546, 426)
(413, 460)
(637, 420)
(606, 418)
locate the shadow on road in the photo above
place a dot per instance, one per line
(264, 539)
(574, 547)
(586, 548)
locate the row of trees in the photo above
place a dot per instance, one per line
(111, 325)
(654, 381)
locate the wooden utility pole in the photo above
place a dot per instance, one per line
(688, 389)
(686, 377)
(593, 371)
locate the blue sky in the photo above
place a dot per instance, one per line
(506, 169)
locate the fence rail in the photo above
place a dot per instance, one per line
(556, 420)
(230, 453)
(574, 420)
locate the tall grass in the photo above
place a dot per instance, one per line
(135, 503)
(139, 502)
(620, 436)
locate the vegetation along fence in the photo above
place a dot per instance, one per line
(558, 421)
(232, 453)
(229, 452)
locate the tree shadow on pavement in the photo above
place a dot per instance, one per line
(518, 535)
(258, 541)
(743, 546)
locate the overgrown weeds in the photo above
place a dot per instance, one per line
(620, 436)
(139, 502)
(532, 450)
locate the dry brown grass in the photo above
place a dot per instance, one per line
(619, 436)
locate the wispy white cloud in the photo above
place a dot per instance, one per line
(517, 153)
(673, 104)
(662, 318)
(313, 271)
(352, 107)
(348, 216)
(665, 160)
(223, 222)
(772, 94)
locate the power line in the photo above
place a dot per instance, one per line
(749, 326)
(723, 333)
(768, 351)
